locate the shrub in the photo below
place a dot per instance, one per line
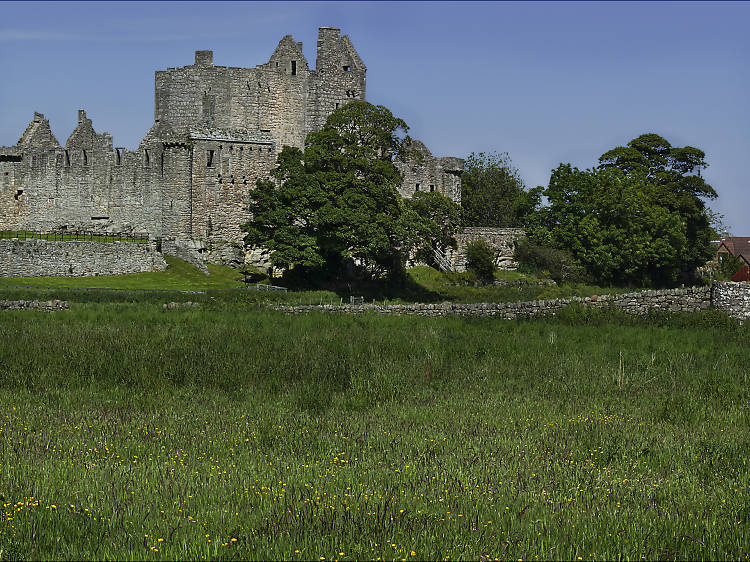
(480, 258)
(559, 265)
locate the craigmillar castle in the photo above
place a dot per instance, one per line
(217, 129)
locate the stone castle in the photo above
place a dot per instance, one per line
(216, 130)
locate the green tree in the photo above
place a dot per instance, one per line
(639, 218)
(433, 220)
(493, 194)
(338, 199)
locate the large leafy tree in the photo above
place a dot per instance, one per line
(492, 192)
(639, 218)
(338, 198)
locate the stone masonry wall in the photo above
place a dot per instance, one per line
(691, 299)
(430, 174)
(48, 306)
(733, 298)
(501, 239)
(33, 258)
(217, 129)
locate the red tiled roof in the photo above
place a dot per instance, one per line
(737, 245)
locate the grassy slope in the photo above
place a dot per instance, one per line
(180, 275)
(451, 287)
(132, 433)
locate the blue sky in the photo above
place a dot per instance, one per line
(547, 82)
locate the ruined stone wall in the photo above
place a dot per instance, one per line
(430, 174)
(733, 298)
(283, 97)
(501, 239)
(339, 77)
(88, 185)
(216, 130)
(34, 258)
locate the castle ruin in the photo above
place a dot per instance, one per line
(216, 130)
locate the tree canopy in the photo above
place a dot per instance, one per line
(639, 218)
(493, 194)
(338, 198)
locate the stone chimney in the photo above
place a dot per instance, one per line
(204, 58)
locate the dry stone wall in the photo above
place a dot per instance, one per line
(693, 299)
(34, 305)
(34, 258)
(733, 298)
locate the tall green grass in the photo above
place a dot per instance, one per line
(128, 432)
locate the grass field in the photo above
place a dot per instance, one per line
(423, 284)
(230, 432)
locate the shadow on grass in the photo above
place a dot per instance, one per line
(399, 287)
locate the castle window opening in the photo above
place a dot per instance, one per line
(118, 156)
(347, 69)
(337, 106)
(432, 188)
(294, 68)
(67, 159)
(18, 193)
(210, 159)
(416, 188)
(146, 158)
(85, 158)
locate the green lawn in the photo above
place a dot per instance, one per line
(128, 432)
